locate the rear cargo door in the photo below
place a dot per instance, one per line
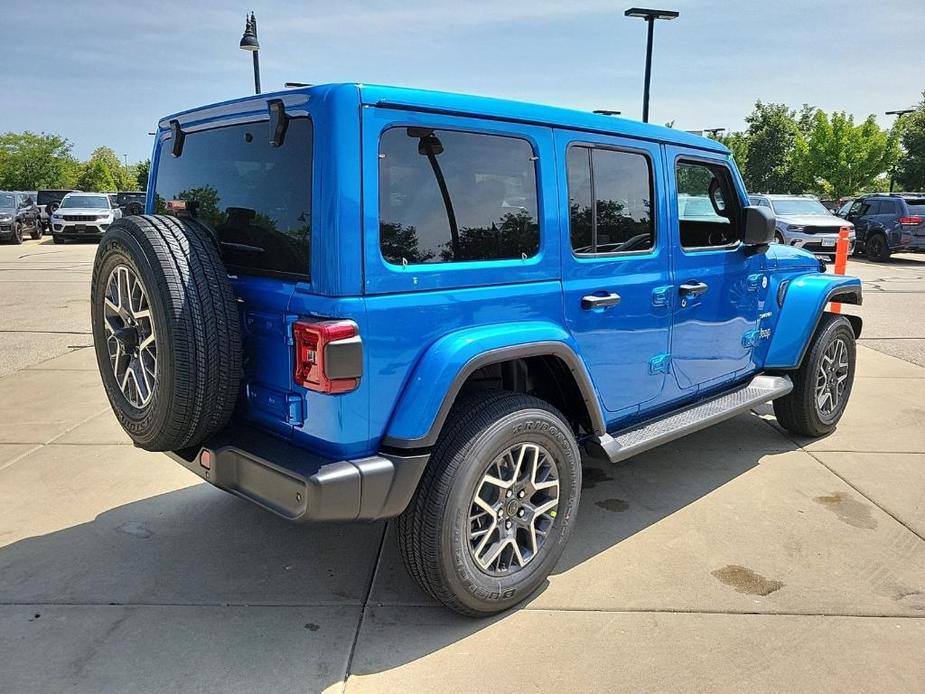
(257, 199)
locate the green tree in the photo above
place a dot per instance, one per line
(103, 168)
(836, 158)
(737, 142)
(97, 177)
(772, 135)
(29, 161)
(142, 169)
(910, 128)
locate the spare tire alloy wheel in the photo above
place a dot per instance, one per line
(513, 509)
(130, 336)
(166, 331)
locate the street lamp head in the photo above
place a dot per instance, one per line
(900, 112)
(249, 40)
(649, 14)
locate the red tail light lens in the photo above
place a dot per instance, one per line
(328, 355)
(912, 221)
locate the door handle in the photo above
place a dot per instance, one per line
(592, 301)
(693, 288)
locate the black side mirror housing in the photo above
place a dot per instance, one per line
(760, 225)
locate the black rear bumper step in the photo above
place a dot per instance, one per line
(301, 486)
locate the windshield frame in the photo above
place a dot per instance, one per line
(72, 198)
(821, 210)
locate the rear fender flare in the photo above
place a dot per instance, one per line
(440, 373)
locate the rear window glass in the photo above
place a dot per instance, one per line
(916, 206)
(255, 196)
(447, 196)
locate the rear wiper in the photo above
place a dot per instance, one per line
(243, 247)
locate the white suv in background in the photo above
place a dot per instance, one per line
(804, 222)
(83, 216)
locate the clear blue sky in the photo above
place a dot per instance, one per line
(102, 72)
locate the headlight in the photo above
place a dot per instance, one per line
(57, 217)
(795, 227)
(104, 216)
(5, 217)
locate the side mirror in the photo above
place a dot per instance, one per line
(760, 224)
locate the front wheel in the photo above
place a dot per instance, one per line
(16, 236)
(822, 384)
(496, 504)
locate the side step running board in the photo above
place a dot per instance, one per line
(629, 442)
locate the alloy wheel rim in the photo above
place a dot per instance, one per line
(832, 378)
(513, 509)
(130, 336)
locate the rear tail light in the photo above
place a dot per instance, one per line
(911, 221)
(328, 355)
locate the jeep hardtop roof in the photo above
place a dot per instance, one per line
(447, 103)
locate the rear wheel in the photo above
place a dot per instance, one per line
(496, 504)
(166, 331)
(822, 384)
(36, 229)
(877, 248)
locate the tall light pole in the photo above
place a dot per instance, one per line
(899, 113)
(249, 43)
(650, 16)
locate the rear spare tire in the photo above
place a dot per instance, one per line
(166, 331)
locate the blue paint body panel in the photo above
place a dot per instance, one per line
(421, 324)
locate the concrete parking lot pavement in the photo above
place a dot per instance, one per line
(736, 559)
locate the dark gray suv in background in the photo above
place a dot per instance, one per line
(889, 223)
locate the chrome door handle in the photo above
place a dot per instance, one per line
(599, 300)
(693, 288)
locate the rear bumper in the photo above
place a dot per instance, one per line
(297, 485)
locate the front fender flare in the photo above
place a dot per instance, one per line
(804, 301)
(441, 372)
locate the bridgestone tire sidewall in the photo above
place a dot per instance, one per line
(479, 591)
(837, 327)
(121, 248)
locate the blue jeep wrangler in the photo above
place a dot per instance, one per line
(351, 302)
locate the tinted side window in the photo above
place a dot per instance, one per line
(448, 196)
(888, 207)
(257, 197)
(610, 201)
(706, 205)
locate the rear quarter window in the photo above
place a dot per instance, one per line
(255, 196)
(451, 196)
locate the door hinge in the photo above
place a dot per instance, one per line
(755, 281)
(661, 296)
(659, 364)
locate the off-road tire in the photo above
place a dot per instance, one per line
(797, 412)
(36, 233)
(196, 323)
(433, 532)
(877, 248)
(16, 233)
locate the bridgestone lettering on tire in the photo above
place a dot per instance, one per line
(496, 504)
(188, 310)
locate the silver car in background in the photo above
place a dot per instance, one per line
(804, 222)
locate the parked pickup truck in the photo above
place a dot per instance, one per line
(351, 302)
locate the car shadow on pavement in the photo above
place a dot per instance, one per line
(198, 546)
